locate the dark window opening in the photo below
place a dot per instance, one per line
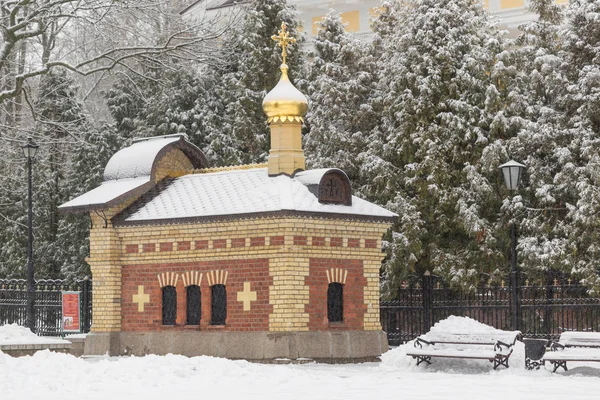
(218, 310)
(169, 305)
(193, 305)
(335, 302)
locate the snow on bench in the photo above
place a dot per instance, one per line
(496, 346)
(574, 346)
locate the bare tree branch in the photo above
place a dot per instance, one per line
(95, 36)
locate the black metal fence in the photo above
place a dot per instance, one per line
(48, 313)
(543, 311)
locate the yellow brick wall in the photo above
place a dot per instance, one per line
(105, 264)
(174, 163)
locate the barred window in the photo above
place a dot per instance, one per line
(169, 305)
(335, 302)
(218, 309)
(193, 305)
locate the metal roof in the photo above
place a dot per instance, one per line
(238, 193)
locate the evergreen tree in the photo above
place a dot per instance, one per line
(13, 213)
(341, 82)
(434, 131)
(61, 121)
(85, 173)
(160, 101)
(581, 46)
(533, 93)
(235, 119)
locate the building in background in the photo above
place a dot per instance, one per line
(357, 14)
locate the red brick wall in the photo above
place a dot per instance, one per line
(336, 242)
(277, 240)
(318, 241)
(255, 271)
(370, 243)
(184, 246)
(149, 248)
(201, 244)
(219, 243)
(168, 246)
(354, 307)
(300, 240)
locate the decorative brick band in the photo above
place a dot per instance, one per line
(370, 243)
(167, 246)
(201, 244)
(353, 242)
(220, 244)
(338, 275)
(168, 279)
(183, 246)
(149, 247)
(238, 242)
(191, 278)
(300, 241)
(317, 241)
(277, 241)
(336, 242)
(217, 277)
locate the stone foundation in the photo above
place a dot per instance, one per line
(325, 346)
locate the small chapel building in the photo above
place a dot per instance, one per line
(256, 262)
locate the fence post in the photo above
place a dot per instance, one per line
(85, 300)
(549, 298)
(427, 300)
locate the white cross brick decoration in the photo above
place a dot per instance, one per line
(141, 298)
(246, 296)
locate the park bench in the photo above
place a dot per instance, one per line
(495, 347)
(574, 346)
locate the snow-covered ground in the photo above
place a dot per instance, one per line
(49, 375)
(15, 334)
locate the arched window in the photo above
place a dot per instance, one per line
(193, 305)
(218, 309)
(335, 302)
(169, 305)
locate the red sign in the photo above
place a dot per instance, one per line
(70, 312)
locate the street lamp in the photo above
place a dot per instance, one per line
(512, 172)
(30, 149)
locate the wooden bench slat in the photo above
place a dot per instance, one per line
(450, 353)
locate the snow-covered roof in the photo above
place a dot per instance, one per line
(313, 176)
(108, 192)
(136, 160)
(239, 192)
(130, 171)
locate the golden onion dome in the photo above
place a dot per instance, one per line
(285, 102)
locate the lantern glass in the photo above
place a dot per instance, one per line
(512, 172)
(30, 149)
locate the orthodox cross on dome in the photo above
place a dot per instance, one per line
(283, 40)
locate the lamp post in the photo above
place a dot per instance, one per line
(512, 172)
(29, 149)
